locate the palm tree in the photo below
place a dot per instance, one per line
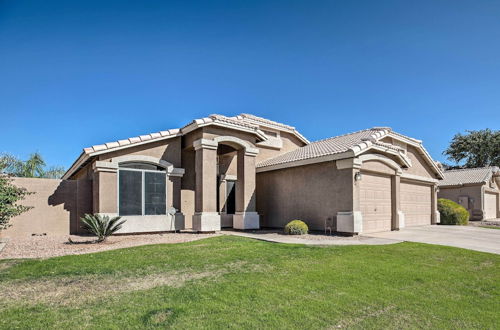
(33, 167)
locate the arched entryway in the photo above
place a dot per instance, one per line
(219, 161)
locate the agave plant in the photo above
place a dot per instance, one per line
(101, 225)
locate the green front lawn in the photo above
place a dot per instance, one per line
(234, 282)
(490, 227)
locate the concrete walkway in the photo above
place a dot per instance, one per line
(273, 236)
(467, 237)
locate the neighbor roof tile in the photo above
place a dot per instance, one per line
(467, 176)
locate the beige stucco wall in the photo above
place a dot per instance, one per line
(105, 192)
(378, 167)
(57, 207)
(419, 165)
(472, 191)
(211, 132)
(85, 172)
(290, 142)
(228, 164)
(168, 150)
(310, 193)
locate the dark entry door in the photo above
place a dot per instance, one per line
(231, 197)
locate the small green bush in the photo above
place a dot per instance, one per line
(296, 227)
(452, 213)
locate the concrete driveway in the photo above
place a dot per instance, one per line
(472, 238)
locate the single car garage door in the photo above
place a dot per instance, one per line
(375, 202)
(416, 203)
(490, 205)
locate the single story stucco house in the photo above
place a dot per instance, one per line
(248, 172)
(476, 189)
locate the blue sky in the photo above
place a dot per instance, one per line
(78, 73)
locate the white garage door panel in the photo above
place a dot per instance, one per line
(416, 203)
(490, 206)
(375, 203)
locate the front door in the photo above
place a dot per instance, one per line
(230, 197)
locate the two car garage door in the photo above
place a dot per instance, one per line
(376, 203)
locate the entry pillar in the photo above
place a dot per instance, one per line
(398, 217)
(246, 216)
(206, 217)
(435, 216)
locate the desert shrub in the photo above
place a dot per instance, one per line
(452, 213)
(101, 225)
(296, 227)
(10, 195)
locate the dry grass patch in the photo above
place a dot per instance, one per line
(9, 263)
(79, 289)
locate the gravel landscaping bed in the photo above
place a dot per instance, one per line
(312, 235)
(53, 246)
(487, 223)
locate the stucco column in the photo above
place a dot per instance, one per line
(398, 218)
(246, 217)
(435, 216)
(105, 188)
(174, 197)
(206, 217)
(350, 220)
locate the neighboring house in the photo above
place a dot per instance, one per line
(476, 189)
(247, 172)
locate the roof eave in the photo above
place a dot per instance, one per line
(76, 165)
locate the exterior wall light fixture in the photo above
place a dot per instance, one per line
(357, 176)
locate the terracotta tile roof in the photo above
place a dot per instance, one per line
(467, 176)
(330, 146)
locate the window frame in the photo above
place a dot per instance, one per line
(143, 190)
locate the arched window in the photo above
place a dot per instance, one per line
(142, 189)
